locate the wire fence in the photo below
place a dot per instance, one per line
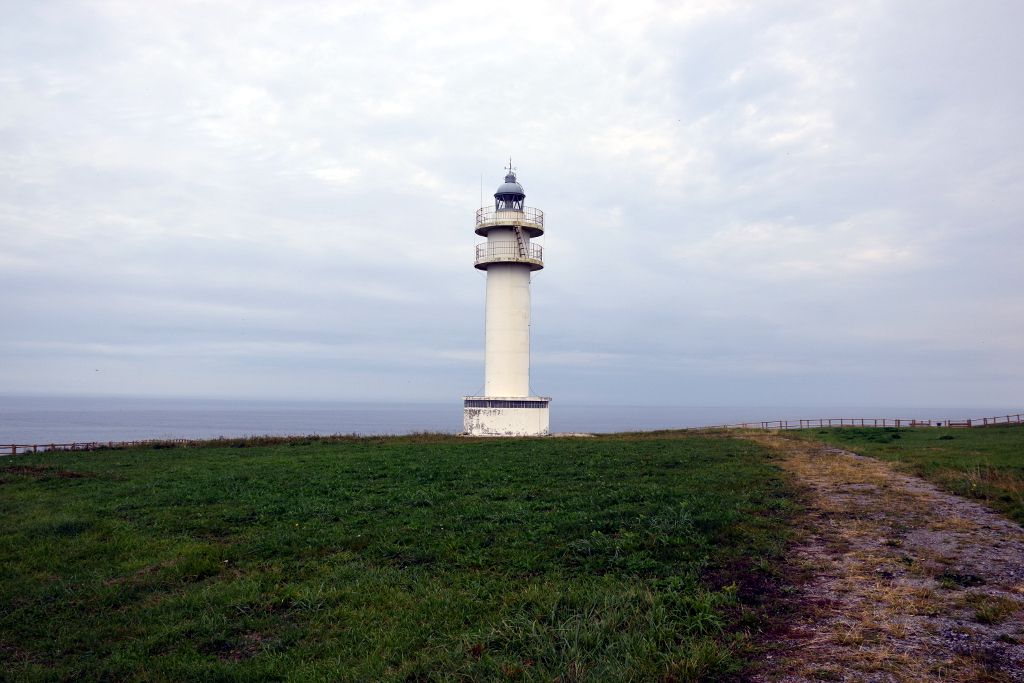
(822, 422)
(770, 425)
(22, 448)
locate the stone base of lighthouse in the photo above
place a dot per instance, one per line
(513, 416)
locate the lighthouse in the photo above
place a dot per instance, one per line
(507, 407)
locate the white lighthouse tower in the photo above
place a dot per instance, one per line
(508, 256)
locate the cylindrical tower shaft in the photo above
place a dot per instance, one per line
(507, 335)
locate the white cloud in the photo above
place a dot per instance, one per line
(336, 175)
(237, 182)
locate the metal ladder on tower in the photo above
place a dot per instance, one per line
(521, 240)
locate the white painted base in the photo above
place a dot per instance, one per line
(489, 416)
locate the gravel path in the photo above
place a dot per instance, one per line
(902, 581)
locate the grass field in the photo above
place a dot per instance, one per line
(406, 559)
(985, 462)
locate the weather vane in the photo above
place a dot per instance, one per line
(510, 168)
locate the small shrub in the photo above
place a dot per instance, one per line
(951, 580)
(992, 609)
(697, 660)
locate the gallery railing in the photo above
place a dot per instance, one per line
(529, 217)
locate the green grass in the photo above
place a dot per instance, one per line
(984, 462)
(405, 559)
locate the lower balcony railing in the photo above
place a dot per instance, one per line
(496, 252)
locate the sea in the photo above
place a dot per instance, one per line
(47, 419)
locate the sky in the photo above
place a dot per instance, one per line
(747, 203)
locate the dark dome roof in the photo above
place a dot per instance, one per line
(510, 186)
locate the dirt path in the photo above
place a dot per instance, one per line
(904, 582)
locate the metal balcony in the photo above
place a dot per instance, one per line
(509, 252)
(531, 220)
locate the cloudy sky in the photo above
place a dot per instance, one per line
(748, 203)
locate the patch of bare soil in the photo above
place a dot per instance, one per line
(42, 471)
(904, 582)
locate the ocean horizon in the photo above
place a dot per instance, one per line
(62, 419)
